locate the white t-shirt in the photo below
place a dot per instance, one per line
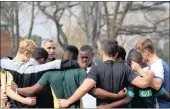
(146, 68)
(157, 68)
(88, 100)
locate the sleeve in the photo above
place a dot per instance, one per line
(158, 70)
(130, 74)
(28, 68)
(160, 92)
(82, 75)
(93, 73)
(43, 80)
(130, 90)
(67, 64)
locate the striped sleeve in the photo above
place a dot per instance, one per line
(130, 91)
(160, 92)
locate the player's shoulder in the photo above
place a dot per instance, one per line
(157, 62)
(76, 70)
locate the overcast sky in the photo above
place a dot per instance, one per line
(43, 27)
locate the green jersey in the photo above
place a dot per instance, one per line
(64, 82)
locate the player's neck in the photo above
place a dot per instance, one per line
(153, 57)
(106, 58)
(91, 64)
(19, 58)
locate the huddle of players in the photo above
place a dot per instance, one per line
(105, 81)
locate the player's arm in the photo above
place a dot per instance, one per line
(117, 103)
(33, 90)
(100, 93)
(103, 94)
(163, 94)
(4, 98)
(29, 91)
(16, 97)
(156, 82)
(82, 90)
(8, 64)
(143, 82)
(10, 93)
(122, 102)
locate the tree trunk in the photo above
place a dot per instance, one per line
(113, 22)
(59, 31)
(107, 19)
(17, 28)
(32, 21)
(13, 45)
(63, 35)
(116, 31)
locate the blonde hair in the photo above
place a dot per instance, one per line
(27, 46)
(145, 43)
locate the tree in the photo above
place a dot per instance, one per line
(32, 20)
(90, 21)
(115, 22)
(154, 14)
(37, 39)
(54, 11)
(10, 13)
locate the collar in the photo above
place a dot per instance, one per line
(33, 61)
(109, 61)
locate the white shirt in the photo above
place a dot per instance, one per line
(146, 68)
(88, 100)
(157, 68)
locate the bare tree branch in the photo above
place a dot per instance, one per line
(42, 8)
(107, 18)
(32, 20)
(113, 22)
(162, 20)
(61, 14)
(78, 20)
(142, 7)
(128, 5)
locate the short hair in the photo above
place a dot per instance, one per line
(137, 55)
(129, 54)
(121, 53)
(145, 43)
(40, 53)
(73, 50)
(45, 41)
(110, 47)
(86, 48)
(27, 45)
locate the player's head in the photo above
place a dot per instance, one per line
(146, 47)
(86, 55)
(26, 49)
(121, 54)
(40, 55)
(134, 56)
(110, 49)
(71, 52)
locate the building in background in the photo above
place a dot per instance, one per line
(5, 40)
